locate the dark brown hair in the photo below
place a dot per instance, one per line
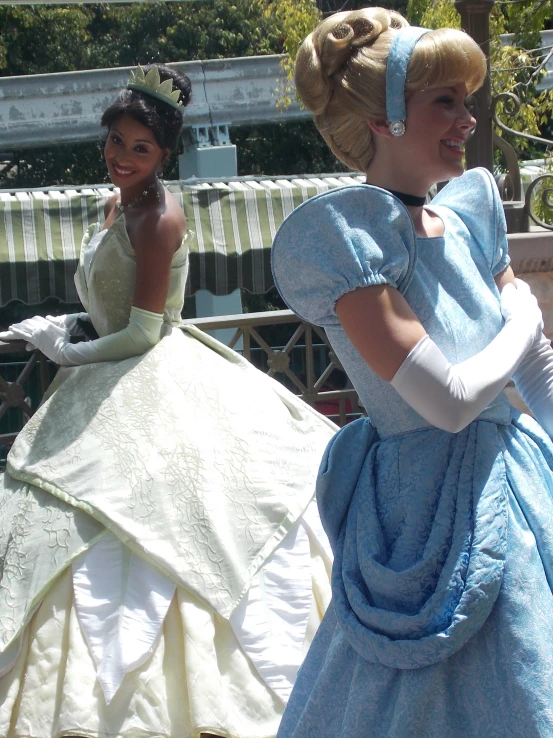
(164, 121)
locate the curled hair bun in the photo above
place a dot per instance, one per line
(336, 41)
(344, 38)
(349, 31)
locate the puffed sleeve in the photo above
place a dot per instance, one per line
(338, 241)
(474, 197)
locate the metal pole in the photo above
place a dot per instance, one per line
(475, 20)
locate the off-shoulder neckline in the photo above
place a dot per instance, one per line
(120, 220)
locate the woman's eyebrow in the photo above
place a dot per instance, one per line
(136, 140)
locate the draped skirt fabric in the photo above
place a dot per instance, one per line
(191, 464)
(440, 622)
(198, 679)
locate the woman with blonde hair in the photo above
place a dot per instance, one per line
(437, 506)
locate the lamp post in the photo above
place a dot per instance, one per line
(475, 20)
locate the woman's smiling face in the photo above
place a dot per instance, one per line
(133, 156)
(437, 127)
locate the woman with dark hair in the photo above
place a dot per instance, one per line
(163, 568)
(165, 120)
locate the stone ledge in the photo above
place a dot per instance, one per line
(531, 252)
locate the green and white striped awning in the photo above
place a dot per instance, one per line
(234, 224)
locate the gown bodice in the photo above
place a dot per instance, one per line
(448, 281)
(105, 279)
(457, 303)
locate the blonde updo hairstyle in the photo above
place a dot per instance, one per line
(341, 74)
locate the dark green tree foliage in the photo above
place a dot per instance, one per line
(42, 39)
(36, 39)
(527, 19)
(76, 164)
(283, 148)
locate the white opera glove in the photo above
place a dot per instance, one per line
(40, 333)
(69, 322)
(534, 375)
(451, 396)
(27, 329)
(515, 298)
(534, 382)
(141, 334)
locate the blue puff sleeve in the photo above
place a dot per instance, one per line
(474, 197)
(343, 239)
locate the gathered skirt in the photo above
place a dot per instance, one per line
(163, 568)
(441, 616)
(198, 679)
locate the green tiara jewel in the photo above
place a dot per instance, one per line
(151, 84)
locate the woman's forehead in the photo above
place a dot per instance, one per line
(131, 128)
(451, 87)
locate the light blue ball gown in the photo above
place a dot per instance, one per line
(441, 619)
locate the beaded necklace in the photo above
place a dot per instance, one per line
(139, 199)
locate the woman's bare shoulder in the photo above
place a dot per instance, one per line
(174, 216)
(110, 205)
(165, 227)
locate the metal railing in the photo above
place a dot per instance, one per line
(63, 107)
(305, 364)
(24, 379)
(511, 185)
(520, 209)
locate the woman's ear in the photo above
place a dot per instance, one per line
(166, 153)
(379, 127)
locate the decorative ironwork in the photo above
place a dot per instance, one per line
(546, 198)
(13, 395)
(511, 107)
(279, 361)
(510, 183)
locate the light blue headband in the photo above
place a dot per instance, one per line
(396, 71)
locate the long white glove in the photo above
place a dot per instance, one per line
(142, 332)
(452, 396)
(27, 330)
(69, 323)
(534, 378)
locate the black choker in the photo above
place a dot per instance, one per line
(406, 199)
